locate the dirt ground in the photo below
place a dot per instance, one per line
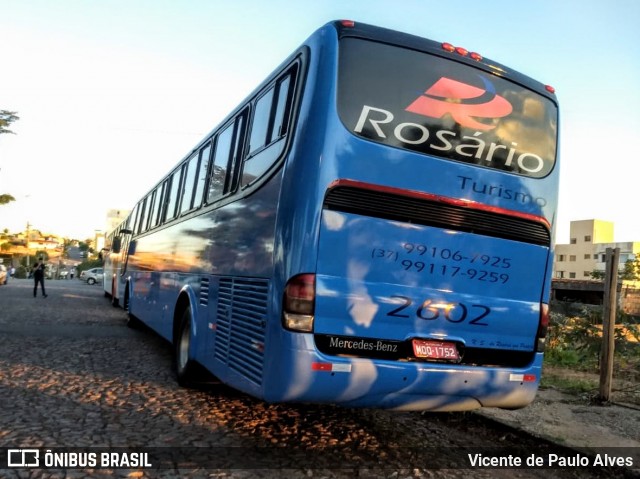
(579, 421)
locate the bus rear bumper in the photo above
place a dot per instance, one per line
(361, 382)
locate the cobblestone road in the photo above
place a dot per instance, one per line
(73, 375)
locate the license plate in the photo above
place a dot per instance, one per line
(435, 350)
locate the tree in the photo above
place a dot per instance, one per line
(630, 272)
(6, 118)
(4, 199)
(86, 247)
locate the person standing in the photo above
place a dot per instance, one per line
(38, 277)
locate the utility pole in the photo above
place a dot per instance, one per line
(609, 310)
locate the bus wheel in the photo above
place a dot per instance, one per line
(184, 366)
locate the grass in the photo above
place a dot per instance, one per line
(571, 361)
(569, 384)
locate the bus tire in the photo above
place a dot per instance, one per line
(186, 368)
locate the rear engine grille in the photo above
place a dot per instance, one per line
(428, 212)
(241, 321)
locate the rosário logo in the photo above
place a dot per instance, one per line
(466, 104)
(462, 102)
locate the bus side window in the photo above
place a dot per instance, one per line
(226, 158)
(189, 179)
(269, 125)
(260, 123)
(202, 175)
(162, 204)
(237, 151)
(220, 164)
(157, 195)
(174, 188)
(143, 215)
(283, 106)
(150, 207)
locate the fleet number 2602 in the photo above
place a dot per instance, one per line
(429, 310)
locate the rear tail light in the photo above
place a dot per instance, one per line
(299, 303)
(543, 326)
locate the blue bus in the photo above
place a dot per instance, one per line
(112, 255)
(371, 227)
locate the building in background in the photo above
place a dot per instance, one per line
(575, 262)
(585, 253)
(579, 258)
(98, 240)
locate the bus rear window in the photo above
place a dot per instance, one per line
(439, 107)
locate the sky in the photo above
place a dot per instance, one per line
(111, 94)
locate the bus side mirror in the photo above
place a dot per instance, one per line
(117, 244)
(132, 247)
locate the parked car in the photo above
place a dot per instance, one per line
(92, 276)
(63, 274)
(3, 274)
